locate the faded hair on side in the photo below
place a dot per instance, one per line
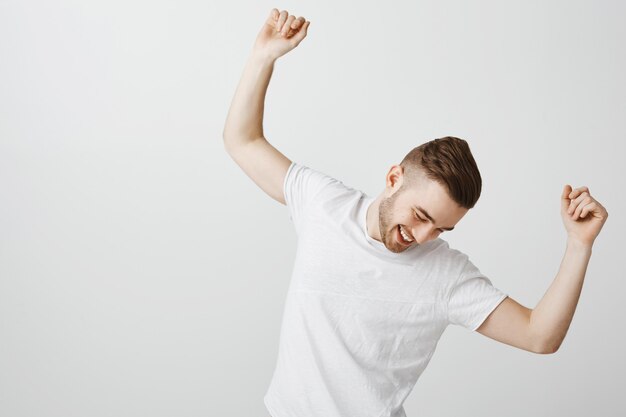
(450, 162)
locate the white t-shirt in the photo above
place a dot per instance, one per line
(360, 322)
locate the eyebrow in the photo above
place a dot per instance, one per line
(425, 213)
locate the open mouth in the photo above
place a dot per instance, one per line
(401, 237)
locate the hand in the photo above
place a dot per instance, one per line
(280, 34)
(582, 215)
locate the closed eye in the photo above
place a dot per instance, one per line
(424, 220)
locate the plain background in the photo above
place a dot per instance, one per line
(142, 273)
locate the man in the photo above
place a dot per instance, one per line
(374, 286)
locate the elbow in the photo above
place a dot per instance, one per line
(228, 137)
(545, 342)
(546, 351)
(234, 142)
(228, 143)
(548, 348)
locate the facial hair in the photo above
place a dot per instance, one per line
(385, 218)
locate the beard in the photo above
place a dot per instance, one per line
(386, 226)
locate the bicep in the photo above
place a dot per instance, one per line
(264, 164)
(509, 323)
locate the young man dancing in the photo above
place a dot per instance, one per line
(374, 286)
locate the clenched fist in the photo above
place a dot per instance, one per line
(280, 34)
(583, 215)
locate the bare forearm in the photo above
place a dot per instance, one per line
(551, 318)
(280, 33)
(245, 116)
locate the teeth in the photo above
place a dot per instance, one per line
(404, 235)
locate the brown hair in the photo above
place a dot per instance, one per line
(450, 162)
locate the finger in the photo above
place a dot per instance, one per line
(591, 207)
(567, 189)
(580, 206)
(273, 17)
(287, 25)
(576, 201)
(297, 38)
(298, 22)
(577, 191)
(281, 20)
(295, 25)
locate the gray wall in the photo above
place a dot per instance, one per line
(143, 274)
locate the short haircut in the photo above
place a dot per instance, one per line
(448, 161)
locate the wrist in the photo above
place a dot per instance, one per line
(576, 243)
(262, 59)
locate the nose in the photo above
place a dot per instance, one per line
(422, 234)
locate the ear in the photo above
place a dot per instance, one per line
(395, 176)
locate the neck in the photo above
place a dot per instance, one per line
(371, 220)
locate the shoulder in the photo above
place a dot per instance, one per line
(446, 262)
(316, 185)
(308, 191)
(440, 250)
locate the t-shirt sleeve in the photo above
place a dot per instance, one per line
(303, 187)
(473, 298)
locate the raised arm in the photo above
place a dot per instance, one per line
(543, 329)
(243, 132)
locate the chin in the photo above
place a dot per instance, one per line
(398, 248)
